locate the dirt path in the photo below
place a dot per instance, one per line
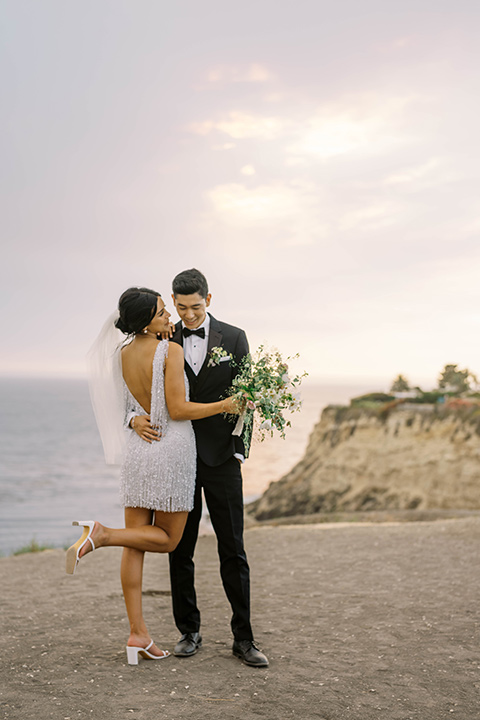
(359, 622)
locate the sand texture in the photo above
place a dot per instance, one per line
(361, 622)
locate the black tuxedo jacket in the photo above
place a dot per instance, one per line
(215, 442)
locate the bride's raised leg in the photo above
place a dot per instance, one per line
(162, 536)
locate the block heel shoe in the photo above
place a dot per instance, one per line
(72, 558)
(134, 652)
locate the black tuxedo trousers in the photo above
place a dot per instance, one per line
(222, 487)
(219, 475)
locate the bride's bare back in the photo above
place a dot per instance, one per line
(137, 363)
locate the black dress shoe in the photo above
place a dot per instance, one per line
(247, 651)
(188, 645)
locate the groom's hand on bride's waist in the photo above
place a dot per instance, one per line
(144, 429)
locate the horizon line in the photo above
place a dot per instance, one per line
(310, 380)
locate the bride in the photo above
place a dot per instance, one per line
(143, 377)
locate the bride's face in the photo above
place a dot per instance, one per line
(160, 322)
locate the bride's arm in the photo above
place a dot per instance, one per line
(178, 407)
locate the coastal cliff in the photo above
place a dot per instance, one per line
(400, 458)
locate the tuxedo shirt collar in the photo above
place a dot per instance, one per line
(205, 324)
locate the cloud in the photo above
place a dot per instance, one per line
(371, 217)
(253, 73)
(431, 173)
(327, 137)
(274, 97)
(362, 125)
(234, 203)
(268, 216)
(239, 125)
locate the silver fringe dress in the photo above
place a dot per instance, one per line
(159, 475)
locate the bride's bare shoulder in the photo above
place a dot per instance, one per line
(175, 352)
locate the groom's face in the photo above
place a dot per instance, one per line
(192, 309)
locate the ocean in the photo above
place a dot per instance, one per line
(52, 469)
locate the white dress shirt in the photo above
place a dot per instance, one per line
(195, 347)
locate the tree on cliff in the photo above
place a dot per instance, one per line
(400, 384)
(457, 380)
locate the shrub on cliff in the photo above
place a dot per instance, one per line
(371, 400)
(429, 398)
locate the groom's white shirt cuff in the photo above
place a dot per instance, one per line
(128, 419)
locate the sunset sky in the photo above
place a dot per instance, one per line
(319, 162)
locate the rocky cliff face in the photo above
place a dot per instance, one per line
(410, 457)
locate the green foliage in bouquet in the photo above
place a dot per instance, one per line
(265, 387)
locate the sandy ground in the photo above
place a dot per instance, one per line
(368, 621)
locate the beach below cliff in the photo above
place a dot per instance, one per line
(359, 621)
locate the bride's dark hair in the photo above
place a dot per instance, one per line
(137, 307)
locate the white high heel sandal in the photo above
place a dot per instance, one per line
(72, 558)
(134, 652)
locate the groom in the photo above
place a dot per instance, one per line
(219, 459)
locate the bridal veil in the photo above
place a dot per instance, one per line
(106, 389)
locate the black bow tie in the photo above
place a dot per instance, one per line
(199, 331)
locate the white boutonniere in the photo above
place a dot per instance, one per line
(218, 355)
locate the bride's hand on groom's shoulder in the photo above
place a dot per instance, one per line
(167, 335)
(145, 429)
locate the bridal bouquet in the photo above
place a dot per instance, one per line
(264, 386)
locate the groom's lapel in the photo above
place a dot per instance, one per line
(214, 340)
(178, 338)
(177, 335)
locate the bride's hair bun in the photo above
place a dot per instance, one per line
(122, 327)
(137, 308)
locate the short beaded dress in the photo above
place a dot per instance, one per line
(159, 475)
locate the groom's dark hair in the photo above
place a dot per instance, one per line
(189, 282)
